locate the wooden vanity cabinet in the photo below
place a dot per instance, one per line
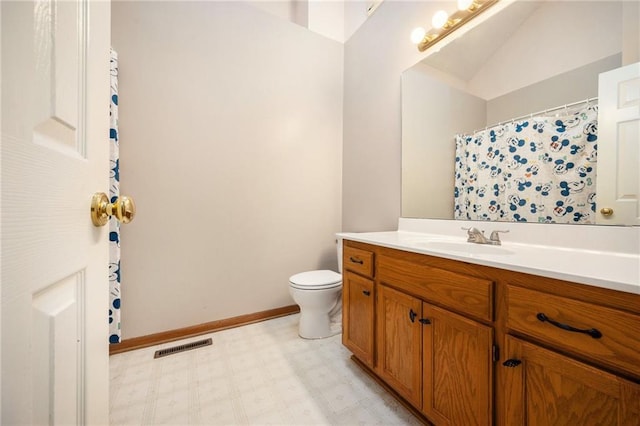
(399, 342)
(358, 299)
(457, 369)
(543, 387)
(438, 360)
(608, 336)
(465, 344)
(357, 313)
(566, 356)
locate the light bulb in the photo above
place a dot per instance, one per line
(464, 4)
(417, 35)
(439, 19)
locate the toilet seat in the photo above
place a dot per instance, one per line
(316, 280)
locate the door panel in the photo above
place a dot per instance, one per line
(58, 46)
(55, 154)
(399, 357)
(618, 185)
(547, 388)
(358, 299)
(57, 358)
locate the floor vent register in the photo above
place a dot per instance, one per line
(182, 348)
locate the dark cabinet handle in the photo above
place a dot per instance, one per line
(413, 315)
(593, 332)
(512, 363)
(366, 292)
(356, 260)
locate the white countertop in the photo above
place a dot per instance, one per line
(567, 255)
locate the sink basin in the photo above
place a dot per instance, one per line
(465, 248)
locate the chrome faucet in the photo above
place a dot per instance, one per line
(477, 236)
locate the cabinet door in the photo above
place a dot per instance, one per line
(357, 316)
(457, 369)
(545, 388)
(399, 340)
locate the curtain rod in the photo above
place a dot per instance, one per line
(545, 111)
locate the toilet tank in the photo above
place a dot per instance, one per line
(339, 250)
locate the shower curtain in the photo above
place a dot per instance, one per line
(540, 169)
(114, 192)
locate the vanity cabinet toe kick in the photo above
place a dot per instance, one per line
(462, 344)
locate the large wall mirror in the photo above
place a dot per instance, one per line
(529, 59)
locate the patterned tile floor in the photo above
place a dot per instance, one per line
(259, 374)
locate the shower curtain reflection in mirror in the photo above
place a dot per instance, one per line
(540, 169)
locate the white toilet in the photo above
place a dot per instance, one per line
(318, 293)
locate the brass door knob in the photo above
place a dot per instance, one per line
(606, 211)
(124, 209)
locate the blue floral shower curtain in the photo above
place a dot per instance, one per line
(114, 225)
(541, 169)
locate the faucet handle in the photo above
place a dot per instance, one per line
(474, 235)
(471, 229)
(495, 235)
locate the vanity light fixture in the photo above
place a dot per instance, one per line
(443, 24)
(417, 35)
(464, 4)
(440, 19)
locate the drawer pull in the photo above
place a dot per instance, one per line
(512, 363)
(366, 292)
(356, 260)
(595, 333)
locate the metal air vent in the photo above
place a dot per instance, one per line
(182, 348)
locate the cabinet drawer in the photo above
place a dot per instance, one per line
(358, 260)
(463, 293)
(616, 341)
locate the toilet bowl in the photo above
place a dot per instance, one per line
(318, 293)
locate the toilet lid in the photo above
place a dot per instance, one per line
(316, 279)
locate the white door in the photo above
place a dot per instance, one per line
(55, 155)
(618, 184)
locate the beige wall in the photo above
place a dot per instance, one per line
(231, 139)
(428, 141)
(337, 20)
(375, 57)
(573, 86)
